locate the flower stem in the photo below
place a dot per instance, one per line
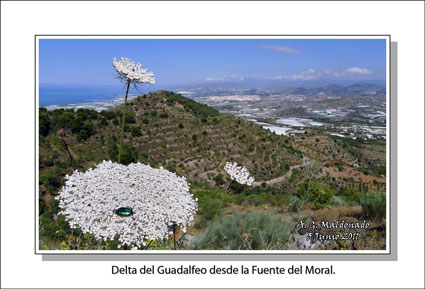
(123, 120)
(66, 147)
(174, 234)
(149, 245)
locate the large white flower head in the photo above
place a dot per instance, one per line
(128, 70)
(158, 198)
(239, 173)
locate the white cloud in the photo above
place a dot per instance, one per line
(358, 70)
(311, 74)
(275, 77)
(283, 49)
(327, 71)
(225, 78)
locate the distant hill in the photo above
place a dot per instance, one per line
(312, 88)
(341, 91)
(257, 84)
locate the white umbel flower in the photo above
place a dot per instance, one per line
(128, 70)
(159, 199)
(239, 174)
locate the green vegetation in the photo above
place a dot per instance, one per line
(195, 137)
(219, 180)
(136, 131)
(198, 109)
(246, 231)
(369, 153)
(182, 132)
(318, 195)
(210, 202)
(374, 205)
(195, 141)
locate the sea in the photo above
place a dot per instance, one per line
(98, 97)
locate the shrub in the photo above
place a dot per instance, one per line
(317, 194)
(245, 231)
(108, 114)
(126, 127)
(219, 179)
(87, 114)
(294, 204)
(135, 131)
(143, 157)
(257, 199)
(236, 187)
(113, 151)
(42, 207)
(337, 201)
(181, 125)
(48, 163)
(61, 119)
(209, 208)
(43, 123)
(352, 195)
(128, 154)
(76, 124)
(130, 118)
(103, 122)
(374, 205)
(210, 202)
(51, 179)
(92, 114)
(82, 135)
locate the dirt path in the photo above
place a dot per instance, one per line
(282, 178)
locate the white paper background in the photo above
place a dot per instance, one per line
(20, 21)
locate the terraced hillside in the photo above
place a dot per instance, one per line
(165, 129)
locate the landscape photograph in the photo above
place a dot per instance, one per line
(212, 143)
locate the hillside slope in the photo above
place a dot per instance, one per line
(164, 129)
(312, 175)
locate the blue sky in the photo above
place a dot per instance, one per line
(185, 61)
